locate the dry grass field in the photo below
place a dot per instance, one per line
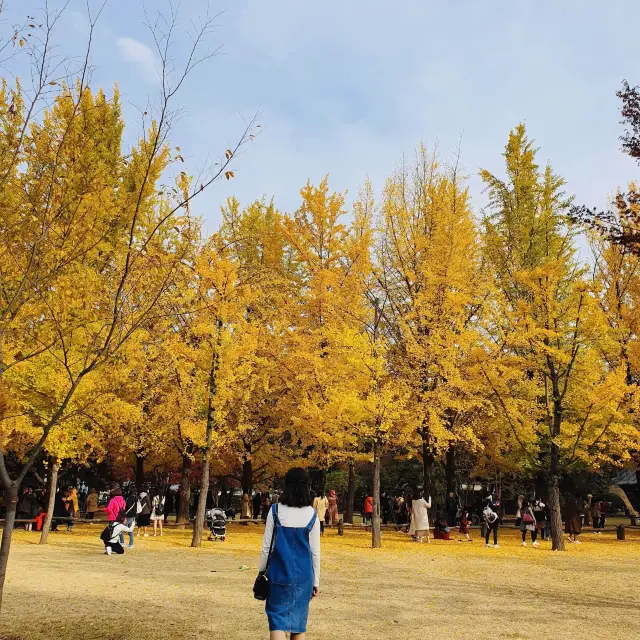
(163, 589)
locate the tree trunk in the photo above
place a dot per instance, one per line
(351, 493)
(139, 474)
(52, 483)
(322, 481)
(557, 538)
(247, 476)
(182, 513)
(198, 523)
(428, 460)
(11, 504)
(450, 468)
(376, 533)
(619, 491)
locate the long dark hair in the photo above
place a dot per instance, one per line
(297, 492)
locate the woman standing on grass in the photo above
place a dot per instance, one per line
(595, 514)
(333, 508)
(115, 506)
(143, 517)
(294, 565)
(420, 518)
(528, 523)
(321, 504)
(367, 511)
(91, 504)
(492, 520)
(465, 525)
(157, 513)
(245, 510)
(572, 519)
(540, 516)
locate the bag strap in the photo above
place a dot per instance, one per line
(274, 515)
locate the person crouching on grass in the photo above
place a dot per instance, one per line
(111, 534)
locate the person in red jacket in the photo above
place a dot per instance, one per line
(368, 509)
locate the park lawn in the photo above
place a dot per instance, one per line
(163, 589)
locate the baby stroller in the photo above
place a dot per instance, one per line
(217, 521)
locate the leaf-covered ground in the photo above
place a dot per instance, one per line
(163, 589)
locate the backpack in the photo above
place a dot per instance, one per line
(159, 507)
(490, 515)
(107, 532)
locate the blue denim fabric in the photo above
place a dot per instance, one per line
(290, 577)
(129, 523)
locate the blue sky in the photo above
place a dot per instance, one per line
(345, 88)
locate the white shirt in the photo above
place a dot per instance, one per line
(117, 530)
(296, 517)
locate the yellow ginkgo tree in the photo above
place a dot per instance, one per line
(555, 392)
(428, 266)
(89, 242)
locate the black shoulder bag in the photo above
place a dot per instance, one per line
(261, 585)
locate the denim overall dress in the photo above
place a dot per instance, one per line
(290, 576)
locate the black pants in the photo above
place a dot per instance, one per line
(492, 526)
(534, 535)
(116, 547)
(322, 526)
(602, 521)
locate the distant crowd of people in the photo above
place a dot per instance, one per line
(410, 512)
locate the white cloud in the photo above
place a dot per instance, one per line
(141, 55)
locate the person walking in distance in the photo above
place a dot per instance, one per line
(294, 564)
(420, 518)
(492, 521)
(604, 512)
(130, 511)
(452, 509)
(245, 509)
(367, 510)
(143, 513)
(595, 515)
(528, 523)
(115, 505)
(587, 510)
(257, 502)
(572, 520)
(157, 512)
(321, 505)
(333, 508)
(465, 525)
(92, 504)
(540, 516)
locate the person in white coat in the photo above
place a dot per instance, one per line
(420, 518)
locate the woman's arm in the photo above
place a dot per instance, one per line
(428, 505)
(266, 542)
(314, 543)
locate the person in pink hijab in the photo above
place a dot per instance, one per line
(333, 508)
